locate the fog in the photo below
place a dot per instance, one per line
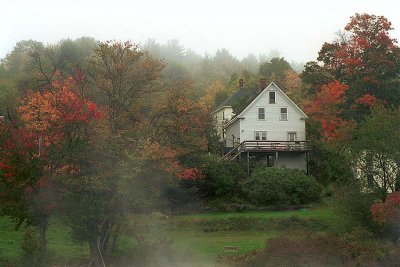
(296, 29)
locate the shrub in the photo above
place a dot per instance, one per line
(321, 250)
(221, 179)
(271, 186)
(353, 205)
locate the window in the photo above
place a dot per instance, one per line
(284, 114)
(272, 97)
(260, 135)
(292, 136)
(261, 113)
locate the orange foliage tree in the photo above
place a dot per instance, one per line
(325, 108)
(52, 124)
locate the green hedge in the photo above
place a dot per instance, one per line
(271, 186)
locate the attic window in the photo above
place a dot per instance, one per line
(272, 98)
(261, 113)
(284, 116)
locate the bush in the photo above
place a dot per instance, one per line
(279, 186)
(321, 250)
(353, 204)
(221, 179)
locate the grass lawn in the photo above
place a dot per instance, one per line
(209, 245)
(9, 240)
(61, 247)
(190, 233)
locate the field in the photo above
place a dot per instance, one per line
(201, 235)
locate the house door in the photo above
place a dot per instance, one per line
(270, 160)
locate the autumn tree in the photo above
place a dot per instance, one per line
(180, 121)
(325, 108)
(34, 153)
(123, 74)
(387, 214)
(292, 86)
(365, 58)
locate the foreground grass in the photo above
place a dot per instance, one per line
(209, 245)
(203, 235)
(61, 248)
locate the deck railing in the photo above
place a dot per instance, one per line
(266, 146)
(275, 146)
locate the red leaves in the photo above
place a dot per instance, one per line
(389, 211)
(56, 112)
(325, 108)
(366, 100)
(190, 174)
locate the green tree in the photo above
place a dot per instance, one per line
(274, 70)
(375, 152)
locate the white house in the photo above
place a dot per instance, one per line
(271, 128)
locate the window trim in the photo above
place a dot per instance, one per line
(291, 133)
(258, 113)
(260, 135)
(270, 99)
(280, 116)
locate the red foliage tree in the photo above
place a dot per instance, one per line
(325, 108)
(32, 153)
(365, 57)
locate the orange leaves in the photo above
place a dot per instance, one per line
(50, 113)
(162, 156)
(366, 100)
(325, 108)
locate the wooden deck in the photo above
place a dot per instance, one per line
(267, 146)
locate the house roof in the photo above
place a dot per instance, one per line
(258, 96)
(241, 93)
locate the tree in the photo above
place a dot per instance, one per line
(325, 108)
(123, 74)
(364, 58)
(387, 214)
(275, 70)
(38, 150)
(375, 151)
(292, 86)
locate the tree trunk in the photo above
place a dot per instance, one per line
(42, 237)
(95, 259)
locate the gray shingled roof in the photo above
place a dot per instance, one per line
(250, 94)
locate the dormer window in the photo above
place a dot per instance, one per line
(261, 113)
(272, 99)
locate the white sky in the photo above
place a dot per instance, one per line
(295, 28)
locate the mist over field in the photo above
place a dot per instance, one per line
(223, 134)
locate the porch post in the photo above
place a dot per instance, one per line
(248, 163)
(276, 158)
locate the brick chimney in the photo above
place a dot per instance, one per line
(241, 84)
(263, 84)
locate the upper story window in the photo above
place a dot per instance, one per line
(292, 136)
(272, 99)
(261, 113)
(260, 135)
(284, 116)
